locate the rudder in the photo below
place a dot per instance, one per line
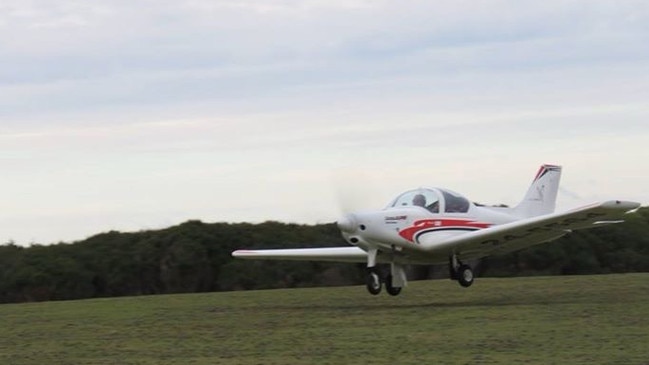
(541, 196)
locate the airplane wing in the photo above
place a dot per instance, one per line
(477, 244)
(335, 254)
(528, 232)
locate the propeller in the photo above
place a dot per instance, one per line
(352, 195)
(347, 223)
(352, 191)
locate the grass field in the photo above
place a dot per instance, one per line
(538, 320)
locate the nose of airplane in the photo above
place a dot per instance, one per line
(347, 223)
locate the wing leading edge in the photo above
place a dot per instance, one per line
(334, 254)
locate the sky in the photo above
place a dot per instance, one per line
(136, 115)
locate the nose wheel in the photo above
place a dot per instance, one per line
(392, 290)
(373, 281)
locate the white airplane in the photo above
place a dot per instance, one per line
(438, 226)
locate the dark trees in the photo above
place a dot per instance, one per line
(195, 257)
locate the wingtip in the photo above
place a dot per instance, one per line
(622, 205)
(240, 253)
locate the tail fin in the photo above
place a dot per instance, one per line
(542, 194)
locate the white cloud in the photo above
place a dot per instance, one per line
(138, 114)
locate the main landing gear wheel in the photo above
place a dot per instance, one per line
(465, 275)
(394, 291)
(373, 282)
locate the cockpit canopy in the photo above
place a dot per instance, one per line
(435, 200)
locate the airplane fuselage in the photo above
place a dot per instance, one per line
(394, 229)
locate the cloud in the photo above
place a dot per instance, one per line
(170, 109)
(199, 33)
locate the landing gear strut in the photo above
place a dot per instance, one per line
(373, 281)
(460, 272)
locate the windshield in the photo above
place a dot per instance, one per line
(454, 202)
(425, 198)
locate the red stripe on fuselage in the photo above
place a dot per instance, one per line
(409, 233)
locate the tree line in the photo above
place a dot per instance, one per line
(195, 257)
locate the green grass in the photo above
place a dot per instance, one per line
(538, 320)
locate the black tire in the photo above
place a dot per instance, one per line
(465, 275)
(373, 283)
(394, 291)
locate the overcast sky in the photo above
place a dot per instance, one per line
(130, 115)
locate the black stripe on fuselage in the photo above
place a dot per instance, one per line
(430, 230)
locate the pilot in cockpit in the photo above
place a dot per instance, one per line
(419, 200)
